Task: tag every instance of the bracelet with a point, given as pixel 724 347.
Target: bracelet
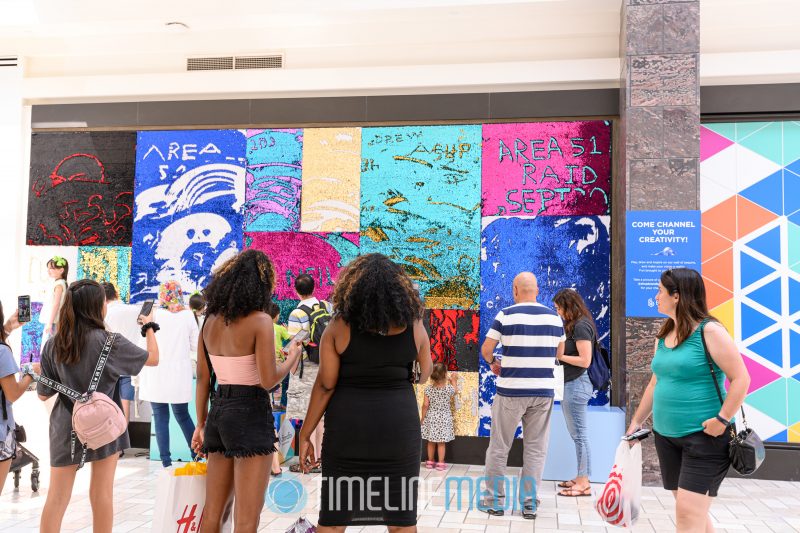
pixel 725 422
pixel 149 325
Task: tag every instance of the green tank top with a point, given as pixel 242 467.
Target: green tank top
pixel 685 395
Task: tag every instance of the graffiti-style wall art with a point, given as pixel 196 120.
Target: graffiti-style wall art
pixel 750 201
pixel 420 201
pixel 320 255
pixel 107 263
pixel 463 208
pixel 81 189
pixel 190 189
pixel 562 252
pixel 32 336
pixel 331 179
pixel 273 180
pixel 546 168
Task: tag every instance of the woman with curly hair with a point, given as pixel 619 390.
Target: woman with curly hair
pixel 371 447
pixel 236 350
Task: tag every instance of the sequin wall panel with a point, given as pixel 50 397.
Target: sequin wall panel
pixel 188 209
pixel 454 338
pixel 562 252
pixel 32 336
pixel 107 263
pixel 420 201
pixel 320 255
pixel 81 188
pixel 546 168
pixel 331 179
pixel 273 180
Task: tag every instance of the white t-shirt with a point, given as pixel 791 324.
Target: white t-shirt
pixel 121 318
pixel 47 305
pixel 171 380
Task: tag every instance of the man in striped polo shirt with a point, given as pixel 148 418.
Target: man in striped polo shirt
pixel 530 334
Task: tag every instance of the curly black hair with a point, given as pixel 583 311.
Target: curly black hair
pixel 242 284
pixel 373 294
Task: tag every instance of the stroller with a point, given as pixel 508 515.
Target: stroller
pixel 23 458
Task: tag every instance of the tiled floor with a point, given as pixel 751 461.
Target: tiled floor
pixel 743 505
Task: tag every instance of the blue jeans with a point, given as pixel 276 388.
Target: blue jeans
pixel 161 418
pixel 284 390
pixel 577 394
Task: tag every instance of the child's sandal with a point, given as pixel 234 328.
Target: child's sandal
pixel 429 464
pixel 441 466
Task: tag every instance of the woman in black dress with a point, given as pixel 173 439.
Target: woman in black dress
pixel 371 448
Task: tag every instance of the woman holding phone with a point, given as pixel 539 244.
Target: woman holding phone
pixel 237 344
pixel 169 385
pixel 70 357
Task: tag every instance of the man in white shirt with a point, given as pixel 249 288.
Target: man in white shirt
pixel 530 334
pixel 121 318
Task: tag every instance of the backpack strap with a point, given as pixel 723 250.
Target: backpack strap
pixel 74 395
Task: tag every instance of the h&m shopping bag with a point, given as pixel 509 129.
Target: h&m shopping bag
pixel 620 501
pixel 180 500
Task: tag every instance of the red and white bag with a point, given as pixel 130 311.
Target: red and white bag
pixel 620 501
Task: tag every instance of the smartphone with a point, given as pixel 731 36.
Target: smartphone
pixel 147 307
pixel 24 307
pixel 638 435
pixel 301 336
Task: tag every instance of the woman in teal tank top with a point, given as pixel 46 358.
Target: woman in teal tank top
pixel 691 426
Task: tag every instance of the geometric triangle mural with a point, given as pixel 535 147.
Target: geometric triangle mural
pixel 762 161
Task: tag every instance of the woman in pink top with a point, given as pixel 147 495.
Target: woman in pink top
pixel 238 434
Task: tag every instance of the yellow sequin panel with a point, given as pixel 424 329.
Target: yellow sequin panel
pixel 331 192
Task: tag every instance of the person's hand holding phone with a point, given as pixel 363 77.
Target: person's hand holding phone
pixel 146 313
pixel 295 347
pixel 13 322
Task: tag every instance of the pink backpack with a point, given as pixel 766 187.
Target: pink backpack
pixel 96 419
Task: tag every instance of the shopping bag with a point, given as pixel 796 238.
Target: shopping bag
pixel 558 388
pixel 302 526
pixel 180 500
pixel 620 501
pixel 285 439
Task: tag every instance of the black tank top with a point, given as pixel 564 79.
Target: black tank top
pixel 378 361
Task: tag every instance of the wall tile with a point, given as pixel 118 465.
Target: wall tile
pixel 664 80
pixel 645 26
pixel 681 28
pixel 681 131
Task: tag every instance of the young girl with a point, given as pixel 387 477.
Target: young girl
pixel 57 270
pixel 437 418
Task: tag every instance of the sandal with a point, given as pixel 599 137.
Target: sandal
pixel 573 492
pixel 567 484
pixel 295 468
pixel 441 467
pixel 276 474
pixel 429 464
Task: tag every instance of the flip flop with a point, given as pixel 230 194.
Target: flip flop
pixel 567 484
pixel 575 493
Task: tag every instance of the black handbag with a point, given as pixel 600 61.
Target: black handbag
pixel 19 434
pixel 746 448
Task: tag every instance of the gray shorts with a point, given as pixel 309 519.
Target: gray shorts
pixel 8 446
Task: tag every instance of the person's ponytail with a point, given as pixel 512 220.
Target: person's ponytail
pixel 82 312
pixel 64 339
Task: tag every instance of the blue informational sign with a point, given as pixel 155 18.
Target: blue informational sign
pixel 657 241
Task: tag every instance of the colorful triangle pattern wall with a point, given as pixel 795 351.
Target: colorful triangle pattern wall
pixel 750 201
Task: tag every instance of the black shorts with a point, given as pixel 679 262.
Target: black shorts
pixel 697 462
pixel 240 423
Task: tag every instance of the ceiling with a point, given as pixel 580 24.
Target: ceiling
pixel 56 38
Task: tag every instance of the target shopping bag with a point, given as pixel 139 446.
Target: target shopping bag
pixel 620 500
pixel 181 499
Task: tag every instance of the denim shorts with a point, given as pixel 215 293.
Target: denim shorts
pixel 126 390
pixel 240 423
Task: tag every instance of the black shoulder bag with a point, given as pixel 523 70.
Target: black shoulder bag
pixel 746 449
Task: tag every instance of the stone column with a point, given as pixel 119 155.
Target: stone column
pixel 658 151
